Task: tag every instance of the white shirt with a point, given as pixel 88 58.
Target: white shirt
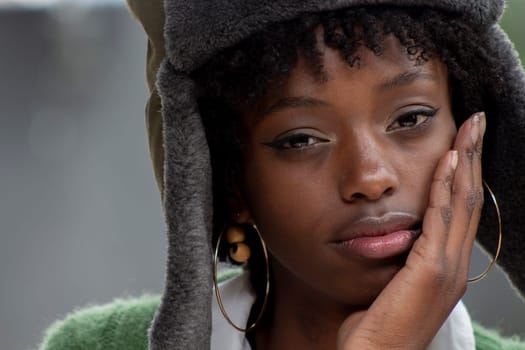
pixel 237 296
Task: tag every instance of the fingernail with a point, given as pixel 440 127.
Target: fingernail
pixel 483 122
pixel 475 127
pixel 454 159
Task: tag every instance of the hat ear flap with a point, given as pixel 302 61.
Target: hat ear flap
pixel 504 163
pixel 183 320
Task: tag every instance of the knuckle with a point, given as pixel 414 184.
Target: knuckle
pixel 469 152
pixel 447 182
pixel 441 277
pixel 437 275
pixel 480 199
pixel 471 200
pixel 446 216
pixel 474 199
pixel 479 149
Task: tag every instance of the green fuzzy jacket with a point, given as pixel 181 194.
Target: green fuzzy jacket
pixel 123 325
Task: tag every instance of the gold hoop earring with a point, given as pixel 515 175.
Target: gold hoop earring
pixel 216 284
pixel 500 237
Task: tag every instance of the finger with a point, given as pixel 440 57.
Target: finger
pixel 466 198
pixel 478 188
pixel 477 181
pixel 438 216
pixel 464 190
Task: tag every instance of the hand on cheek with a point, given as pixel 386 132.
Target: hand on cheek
pixel 413 306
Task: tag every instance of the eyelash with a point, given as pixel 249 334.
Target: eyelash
pixel 299 138
pixel 426 113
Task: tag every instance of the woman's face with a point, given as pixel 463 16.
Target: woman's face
pixel 337 172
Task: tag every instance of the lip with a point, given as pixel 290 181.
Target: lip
pixel 379 237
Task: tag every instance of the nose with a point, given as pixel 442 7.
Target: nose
pixel 367 172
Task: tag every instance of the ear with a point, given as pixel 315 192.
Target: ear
pixel 239 211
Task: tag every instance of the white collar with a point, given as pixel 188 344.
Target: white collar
pixel 237 296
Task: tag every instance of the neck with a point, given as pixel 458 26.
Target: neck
pixel 302 317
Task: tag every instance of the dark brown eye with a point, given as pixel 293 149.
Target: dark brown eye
pixel 412 119
pixel 295 141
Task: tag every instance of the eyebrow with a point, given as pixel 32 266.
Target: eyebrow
pixel 405 78
pixel 293 102
pixel 402 79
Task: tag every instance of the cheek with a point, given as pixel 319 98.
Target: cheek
pixel 293 207
pixel 283 198
pixel 423 161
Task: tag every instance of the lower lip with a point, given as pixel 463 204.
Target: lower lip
pixel 379 247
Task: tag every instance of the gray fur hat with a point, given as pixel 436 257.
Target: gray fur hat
pixel 194 32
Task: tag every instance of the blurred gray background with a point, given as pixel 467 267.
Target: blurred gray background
pixel 80 215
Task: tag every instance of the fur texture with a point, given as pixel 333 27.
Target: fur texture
pixel 196 29
pixel 183 320
pixel 504 165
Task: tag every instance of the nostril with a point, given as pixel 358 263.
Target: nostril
pixel 371 195
pixel 357 196
pixel 389 191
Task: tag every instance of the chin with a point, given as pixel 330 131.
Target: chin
pixel 363 290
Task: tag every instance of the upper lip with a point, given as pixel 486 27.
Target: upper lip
pixel 373 226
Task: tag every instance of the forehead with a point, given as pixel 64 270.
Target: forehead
pixel 378 73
